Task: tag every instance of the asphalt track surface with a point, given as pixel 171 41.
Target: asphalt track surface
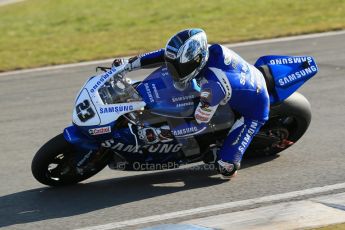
pixel 36 106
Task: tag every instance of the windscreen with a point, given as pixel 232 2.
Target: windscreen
pixel 118 90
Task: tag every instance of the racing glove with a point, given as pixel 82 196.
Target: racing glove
pixel 118 61
pixel 121 61
pixel 132 63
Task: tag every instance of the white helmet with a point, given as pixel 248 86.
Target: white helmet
pixel 186 53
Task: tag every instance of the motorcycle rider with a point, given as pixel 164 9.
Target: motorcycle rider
pixel 224 78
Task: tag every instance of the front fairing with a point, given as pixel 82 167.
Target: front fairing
pixel 102 101
pixel 161 97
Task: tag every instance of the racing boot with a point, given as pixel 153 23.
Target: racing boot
pixel 228 170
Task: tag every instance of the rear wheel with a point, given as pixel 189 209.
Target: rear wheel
pixel 287 124
pixel 55 163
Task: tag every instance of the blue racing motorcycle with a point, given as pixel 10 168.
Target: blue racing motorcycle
pixel 149 125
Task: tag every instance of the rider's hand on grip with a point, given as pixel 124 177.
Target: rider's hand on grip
pixel 118 61
pixel 122 62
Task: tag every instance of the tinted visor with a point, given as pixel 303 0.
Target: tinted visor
pixel 180 70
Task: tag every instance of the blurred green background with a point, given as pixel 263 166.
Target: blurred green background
pixel 45 32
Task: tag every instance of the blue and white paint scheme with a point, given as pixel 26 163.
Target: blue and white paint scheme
pixel 289 73
pixel 157 95
pixel 104 113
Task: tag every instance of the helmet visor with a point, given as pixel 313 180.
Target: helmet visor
pixel 179 71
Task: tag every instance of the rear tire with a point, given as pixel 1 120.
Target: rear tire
pixel 289 120
pixel 59 153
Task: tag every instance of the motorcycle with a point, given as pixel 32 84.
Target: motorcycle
pixel 149 125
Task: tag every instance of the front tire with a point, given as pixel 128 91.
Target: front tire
pixel 54 164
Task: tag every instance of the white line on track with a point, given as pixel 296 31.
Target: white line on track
pixel 249 43
pixel 286 39
pixel 7 2
pixel 218 207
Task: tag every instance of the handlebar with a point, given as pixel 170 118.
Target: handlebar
pixel 103 68
pixel 118 69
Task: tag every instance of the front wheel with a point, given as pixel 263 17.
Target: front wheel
pixel 55 164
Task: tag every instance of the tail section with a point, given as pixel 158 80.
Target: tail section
pixel 288 73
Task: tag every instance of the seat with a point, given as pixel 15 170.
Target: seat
pixel 266 72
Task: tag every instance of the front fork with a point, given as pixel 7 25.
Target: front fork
pixel 89 151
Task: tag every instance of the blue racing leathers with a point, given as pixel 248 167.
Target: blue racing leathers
pixel 226 79
pixel 230 79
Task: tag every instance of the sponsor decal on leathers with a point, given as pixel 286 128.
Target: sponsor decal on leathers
pixel 247 136
pixel 204 114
